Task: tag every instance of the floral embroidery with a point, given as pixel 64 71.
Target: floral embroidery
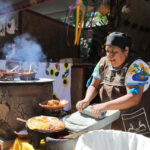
pixel 66 73
pixel 146 69
pixel 52 72
pixel 65 82
pixel 139 72
pixel 131 70
pixel 141 65
pixel 66 66
pixel 96 69
pixel 57 66
pixel 55 96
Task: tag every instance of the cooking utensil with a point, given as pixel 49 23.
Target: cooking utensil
pixel 74 135
pixel 21 133
pixel 16 67
pixel 35 126
pixel 22 120
pixel 45 124
pixel 62 103
pixel 37 135
pixel 7 76
pixel 30 68
pixel 27 75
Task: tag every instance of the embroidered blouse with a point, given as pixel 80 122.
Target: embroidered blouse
pixel 132 72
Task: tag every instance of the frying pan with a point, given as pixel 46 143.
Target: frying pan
pixel 36 134
pixel 42 131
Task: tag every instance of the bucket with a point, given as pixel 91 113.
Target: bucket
pixel 60 144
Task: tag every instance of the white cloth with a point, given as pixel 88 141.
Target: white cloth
pixel 59 73
pixel 11 26
pixel 2 64
pixel 112 140
pixel 2 26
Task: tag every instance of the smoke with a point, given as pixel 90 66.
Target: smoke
pixel 24 48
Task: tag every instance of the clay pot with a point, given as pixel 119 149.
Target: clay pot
pixel 27 75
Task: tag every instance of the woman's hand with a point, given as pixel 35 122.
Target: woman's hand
pixel 91 92
pixel 97 108
pixel 82 104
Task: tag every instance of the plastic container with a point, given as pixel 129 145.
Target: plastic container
pixel 112 140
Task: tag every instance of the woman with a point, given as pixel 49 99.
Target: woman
pixel 122 82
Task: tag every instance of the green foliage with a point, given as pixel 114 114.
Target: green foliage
pixel 92 48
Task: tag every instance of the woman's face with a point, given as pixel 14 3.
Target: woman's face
pixel 116 56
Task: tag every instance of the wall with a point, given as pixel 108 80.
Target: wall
pixel 48 33
pixel 137 24
pixel 8 38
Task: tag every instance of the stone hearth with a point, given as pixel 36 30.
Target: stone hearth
pixel 21 99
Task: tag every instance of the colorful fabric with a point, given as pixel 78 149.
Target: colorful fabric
pixel 96 73
pixel 24 144
pixel 135 90
pixel 109 75
pixel 114 81
pixel 138 74
pixel 89 81
pixel 80 29
pixel 77 21
pixel 61 73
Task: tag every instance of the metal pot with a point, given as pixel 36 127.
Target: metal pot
pixel 66 143
pixel 60 144
pixel 37 135
pixel 27 75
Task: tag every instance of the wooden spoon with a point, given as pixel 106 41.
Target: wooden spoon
pixel 22 120
pixel 73 135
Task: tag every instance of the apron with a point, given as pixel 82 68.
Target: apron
pixel 135 119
